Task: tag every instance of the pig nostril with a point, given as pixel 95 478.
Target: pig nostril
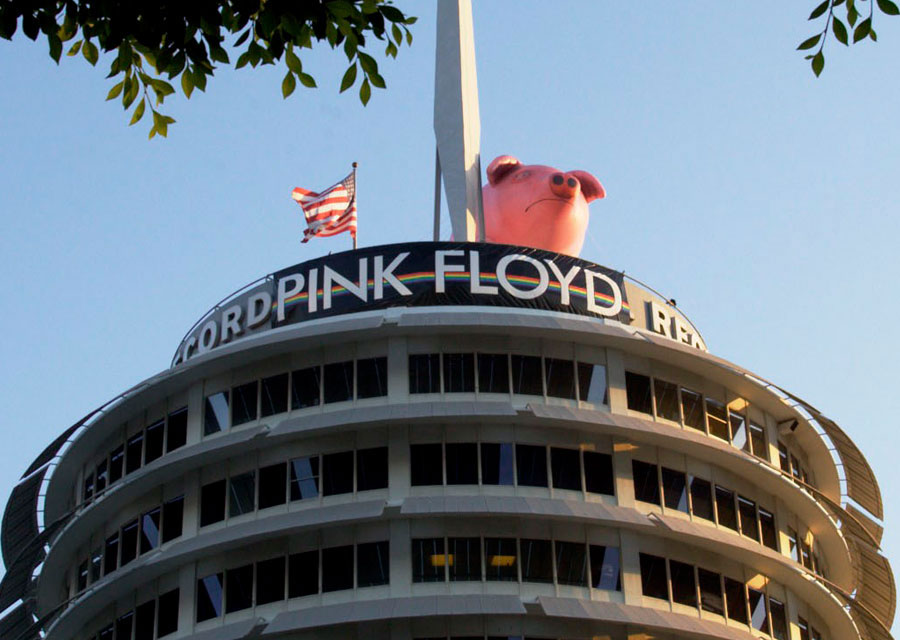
pixel 571 182
pixel 557 179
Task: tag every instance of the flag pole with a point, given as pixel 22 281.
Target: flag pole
pixel 355 191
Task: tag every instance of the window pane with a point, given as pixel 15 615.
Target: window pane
pixel 303 574
pixel 372 469
pixel 531 465
pixel 725 508
pixel 215 414
pixel 274 395
pixel 794 545
pixel 82 576
pixel 566 468
pixel 96 564
pixel 305 386
pixel 711 592
pixel 783 458
pixel 795 467
pixel 173 518
pixel 167 613
pixel 371 377
pixel 176 429
pixel 606 571
pixel 667 400
pixel 526 375
pixel 272 485
pixel 242 494
pixel 675 490
pixel 337 473
pixel 239 588
pixel 537 561
pixel 759 617
pixel 150 530
pixel 738 430
pixel 338 381
pixel 805 554
pixel 654 582
pixel 637 389
pixel 779 619
pixel 426 464
pixel 209 597
pixel 646 482
pixel 270 580
pixel 337 568
pixel 373 564
pixel 304 478
pixel 124 625
pixel 87 491
pixel 464 559
pixel 560 378
pixel 129 538
pixel 106 633
pixel 701 499
pixel 243 399
pixel 749 524
pixel 493 373
pixel 598 473
pixel 716 417
pixel 736 600
pixel 111 554
pixel 758 441
pixel 692 409
pixel 144 616
pixel 769 531
pixel 153 447
pixel 592 383
pixel 134 452
pixel 428 560
pixel 462 463
pixel 500 559
pixel 571 563
pixel 684 587
pixel 425 373
pixel 116 458
pixel 804 629
pixel 459 372
pixel 496 463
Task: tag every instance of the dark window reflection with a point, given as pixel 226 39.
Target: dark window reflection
pixel 134 451
pixel 272 485
pixel 242 494
pixel 606 570
pixel 153 447
pixel 102 475
pixel 654 582
pixel 337 568
pixel 426 464
pixel 111 554
pixel 150 530
pixel 759 615
pixel 466 559
pixel 274 395
pixel 87 491
pixel 592 383
pixel 243 403
pixel 565 465
pixel 496 463
pixel 758 441
pixel 428 560
pixel 305 386
pixel 779 619
pixel 373 564
pixel 674 490
pixel 337 473
pixel 129 538
pixel 526 375
pixel 667 400
pixel 371 377
pixel 106 633
pixel 684 587
pixel 701 499
pixel 735 600
pixel 143 621
pixel 459 372
pixel 749 524
pixel 531 465
pixel 173 518
pixel 304 478
pixel 270 580
pixel 493 373
pixel 692 408
pixel 239 588
pixel 425 373
pixel 598 473
pixel 537 561
pixel 96 564
pixel 646 482
pixel 462 463
pixel 209 597
pixel 372 469
pixel 124 625
pixel 176 429
pixel 500 559
pixel 711 592
pixel 212 502
pixel 725 510
pixel 215 414
pixel 560 378
pixel 638 392
pixel 116 460
pixel 716 417
pixel 783 458
pixel 769 531
pixel 303 574
pixel 338 381
pixel 571 563
pixel 167 613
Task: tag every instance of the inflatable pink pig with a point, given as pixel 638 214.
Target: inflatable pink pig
pixel 536 206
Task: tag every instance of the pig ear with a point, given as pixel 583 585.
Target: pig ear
pixel 590 186
pixel 500 166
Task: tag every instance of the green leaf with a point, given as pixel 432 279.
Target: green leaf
pixel 187 85
pixel 55 47
pixel 888 7
pixel 818 63
pixel 349 78
pixel 340 8
pixel 350 48
pixel 293 62
pixel 288 84
pixel 242 39
pixel 391 49
pixel 408 37
pixel 138 112
pixel 411 20
pixel 162 87
pixel 863 30
pixel 809 43
pixel 852 14
pixel 873 35
pixel 392 13
pixel 90 52
pixel 124 55
pixel 398 35
pixel 819 10
pixel 115 91
pixel 377 80
pixel 242 60
pixel 365 92
pixel 218 54
pixel 307 80
pixel 131 92
pixel 840 31
pixel 73 51
pixel 199 78
pixel 368 63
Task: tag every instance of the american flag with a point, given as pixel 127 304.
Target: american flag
pixel 330 212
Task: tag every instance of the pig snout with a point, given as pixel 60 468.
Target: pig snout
pixel 564 186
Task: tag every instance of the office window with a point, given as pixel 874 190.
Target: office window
pixel 82 577
pixel 725 510
pixel 212 502
pixel 209 597
pixel 462 462
pixel 717 419
pixel 242 493
pixel 272 485
pixel 426 464
pixel 176 429
pixel 96 560
pixel 779 619
pixel 735 601
pixel 87 491
pixel 684 586
pixel 526 375
pixel 531 465
pixel 795 467
pixel 804 629
pixel 701 499
pixel 783 459
pixel 560 378
pixel 646 482
pixel 215 413
pixel 805 554
pixel 793 545
pixel 303 574
pixel 102 475
pixel 243 403
pixel 537 561
pixel 428 560
pixel 459 372
pixel 116 460
pixel 815 635
pixel 134 452
pixel 305 388
pixel 738 425
pixel 371 377
pixel 129 540
pixel 692 409
pixel 373 566
pixel 337 568
pixel 758 441
pixel 500 559
pixel 153 446
pixel 270 580
pixel 711 598
pixel 124 625
pixel 338 381
pixel 654 583
pixel 337 473
pixel 372 469
pixel 592 383
pixel 571 563
pixel 239 588
pixel 667 400
pixel 144 615
pixel 606 572
pixel 425 373
pixel 274 395
pixel 172 518
pixel 466 559
pixel 150 530
pixel 769 531
pixel 565 465
pixel 759 615
pixel 111 554
pixel 598 473
pixel 304 478
pixel 638 392
pixel 106 633
pixel 749 523
pixel 674 485
pixel 496 463
pixel 493 373
pixel 167 613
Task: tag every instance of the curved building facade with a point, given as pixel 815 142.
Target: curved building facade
pixel 447 441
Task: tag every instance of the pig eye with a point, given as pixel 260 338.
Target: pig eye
pixel 571 182
pixel 557 179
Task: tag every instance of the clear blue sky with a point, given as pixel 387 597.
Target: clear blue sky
pixel 759 197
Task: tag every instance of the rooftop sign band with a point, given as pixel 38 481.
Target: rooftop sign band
pixel 417 274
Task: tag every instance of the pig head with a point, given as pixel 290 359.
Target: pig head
pixel 536 206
